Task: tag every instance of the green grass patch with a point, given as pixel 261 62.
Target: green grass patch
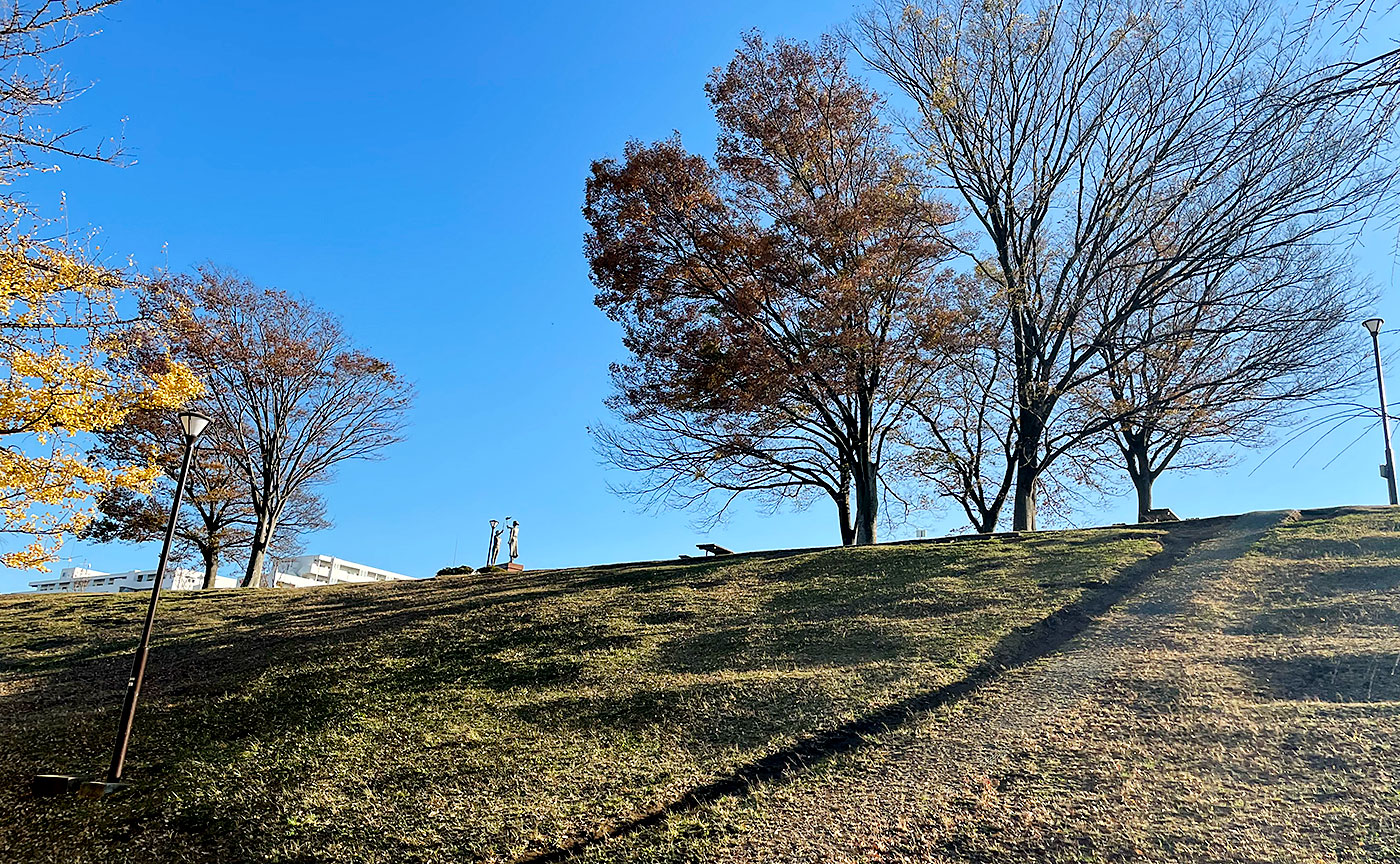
pixel 482 718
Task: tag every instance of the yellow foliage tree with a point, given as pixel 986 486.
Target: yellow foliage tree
pixel 60 333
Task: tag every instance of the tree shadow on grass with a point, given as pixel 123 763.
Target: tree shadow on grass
pixel 1352 578
pixel 220 675
pixel 1339 678
pixel 773 645
pixel 1018 648
pixel 1299 618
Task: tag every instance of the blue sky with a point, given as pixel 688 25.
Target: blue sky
pixel 419 171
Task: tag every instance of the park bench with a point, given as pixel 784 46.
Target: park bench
pixel 713 549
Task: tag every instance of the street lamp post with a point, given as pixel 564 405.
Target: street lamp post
pixel 1373 325
pixel 193 423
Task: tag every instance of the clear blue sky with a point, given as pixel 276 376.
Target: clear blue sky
pixel 419 171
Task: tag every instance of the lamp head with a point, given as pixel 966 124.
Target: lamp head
pixel 1373 325
pixel 193 422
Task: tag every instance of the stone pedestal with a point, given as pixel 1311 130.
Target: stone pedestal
pixel 511 566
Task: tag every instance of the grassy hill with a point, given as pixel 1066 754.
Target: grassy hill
pixel 1242 706
pixel 487 718
pixel 509 718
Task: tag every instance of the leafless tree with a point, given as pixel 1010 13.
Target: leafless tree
pixel 965 443
pixel 290 395
pixel 217 517
pixel 1111 152
pixel 964 446
pixel 1229 360
pixel 33 86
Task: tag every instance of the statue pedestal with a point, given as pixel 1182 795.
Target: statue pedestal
pixel 511 567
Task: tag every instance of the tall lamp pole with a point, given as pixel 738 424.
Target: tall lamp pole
pixel 1373 325
pixel 193 423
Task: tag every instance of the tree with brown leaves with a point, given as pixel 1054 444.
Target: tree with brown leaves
pixel 783 306
pixel 289 394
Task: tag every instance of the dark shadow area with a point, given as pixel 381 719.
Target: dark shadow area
pixel 1343 678
pixel 1299 618
pixel 1322 548
pixel 1352 578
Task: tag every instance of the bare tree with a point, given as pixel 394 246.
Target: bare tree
pixel 964 446
pixel 783 307
pixel 33 86
pixel 290 395
pixel 217 517
pixel 1229 359
pixel 1110 153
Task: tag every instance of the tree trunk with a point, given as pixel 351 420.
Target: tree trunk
pixel 1140 470
pixel 1028 467
pixel 867 503
pixel 252 575
pixel 1143 483
pixel 1023 515
pixel 211 566
pixel 262 537
pixel 985 523
pixel 843 512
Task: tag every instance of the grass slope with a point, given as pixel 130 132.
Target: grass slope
pixel 1254 719
pixel 472 719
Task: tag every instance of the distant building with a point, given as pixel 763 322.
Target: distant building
pixel 301 572
pixel 306 571
pixel 81 580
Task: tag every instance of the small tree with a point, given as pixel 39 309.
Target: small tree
pixel 290 395
pixel 783 307
pixel 217 518
pixel 1228 358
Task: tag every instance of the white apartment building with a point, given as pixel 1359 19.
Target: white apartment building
pixel 84 580
pixel 306 571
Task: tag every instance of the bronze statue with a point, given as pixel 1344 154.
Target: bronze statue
pixel 495 548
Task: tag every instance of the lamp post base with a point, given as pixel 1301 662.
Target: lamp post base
pixel 101 789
